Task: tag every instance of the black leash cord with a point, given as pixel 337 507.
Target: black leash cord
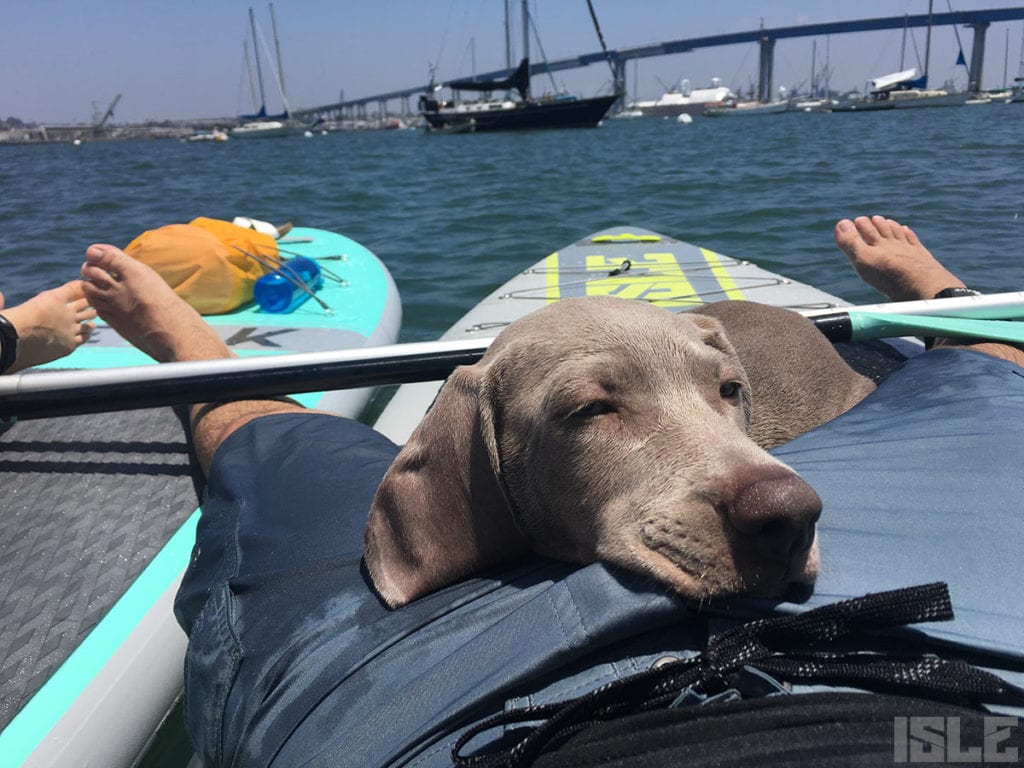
pixel 787 647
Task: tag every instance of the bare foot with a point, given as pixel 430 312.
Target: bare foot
pixel 888 256
pixel 140 306
pixel 50 325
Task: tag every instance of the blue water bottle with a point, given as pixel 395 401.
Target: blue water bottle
pixel 284 289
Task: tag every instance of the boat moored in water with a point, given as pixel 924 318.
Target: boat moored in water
pixel 902 90
pixel 266 129
pixel 553 110
pixel 215 135
pixel 510 114
pixel 684 100
pixel 748 109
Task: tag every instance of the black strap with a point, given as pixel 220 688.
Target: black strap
pixel 788 647
pixel 8 344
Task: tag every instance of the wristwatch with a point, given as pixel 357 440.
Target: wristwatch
pixel 949 293
pixel 953 293
pixel 8 344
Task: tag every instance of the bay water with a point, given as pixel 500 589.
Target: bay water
pixel 454 216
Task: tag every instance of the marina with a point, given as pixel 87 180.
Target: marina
pixel 909 89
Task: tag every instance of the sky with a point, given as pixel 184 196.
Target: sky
pixel 63 60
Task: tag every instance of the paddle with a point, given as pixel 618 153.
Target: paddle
pixel 39 394
pixel 965 316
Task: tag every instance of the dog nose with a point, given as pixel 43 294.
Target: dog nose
pixel 780 511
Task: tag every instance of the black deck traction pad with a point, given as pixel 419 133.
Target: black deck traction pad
pixel 86 502
pixel 874 359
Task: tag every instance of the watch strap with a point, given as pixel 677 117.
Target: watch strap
pixel 952 293
pixel 949 293
pixel 8 344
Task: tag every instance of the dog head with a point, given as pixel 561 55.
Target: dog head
pixel 595 429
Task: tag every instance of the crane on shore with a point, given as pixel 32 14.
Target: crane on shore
pixel 99 122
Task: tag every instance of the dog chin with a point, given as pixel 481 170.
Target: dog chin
pixel 694 578
pixel 686 573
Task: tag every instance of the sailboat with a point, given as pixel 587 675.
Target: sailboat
pixel 510 114
pixel 906 89
pixel 260 124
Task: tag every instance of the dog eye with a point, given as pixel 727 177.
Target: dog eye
pixel 592 409
pixel 729 389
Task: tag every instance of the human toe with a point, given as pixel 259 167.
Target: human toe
pixel 848 237
pixel 103 267
pixel 889 228
pixel 869 229
pixel 106 257
pixel 71 292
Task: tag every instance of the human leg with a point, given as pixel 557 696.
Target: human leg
pixel 140 306
pixel 890 258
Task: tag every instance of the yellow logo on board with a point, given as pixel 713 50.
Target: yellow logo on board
pixel 658 278
pixel 655 277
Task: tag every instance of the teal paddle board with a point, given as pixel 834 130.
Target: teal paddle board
pixel 99 514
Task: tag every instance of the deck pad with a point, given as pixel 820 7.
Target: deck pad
pixel 88 501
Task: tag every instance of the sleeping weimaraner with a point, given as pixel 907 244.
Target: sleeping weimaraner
pixel 605 429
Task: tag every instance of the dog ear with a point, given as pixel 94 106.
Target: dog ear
pixel 797 377
pixel 440 513
pixel 714 335
pixel 712 332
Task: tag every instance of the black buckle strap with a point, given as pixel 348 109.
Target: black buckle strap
pixel 787 647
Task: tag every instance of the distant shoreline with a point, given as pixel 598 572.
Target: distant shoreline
pixel 170 129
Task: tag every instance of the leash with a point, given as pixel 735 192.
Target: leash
pixel 792 648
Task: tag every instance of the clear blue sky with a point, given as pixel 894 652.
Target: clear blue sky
pixel 184 58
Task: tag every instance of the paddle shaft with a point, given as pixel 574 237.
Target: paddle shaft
pixel 841 325
pixel 39 394
pixel 67 393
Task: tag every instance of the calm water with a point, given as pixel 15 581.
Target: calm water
pixel 454 216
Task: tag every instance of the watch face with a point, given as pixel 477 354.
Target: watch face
pixel 8 344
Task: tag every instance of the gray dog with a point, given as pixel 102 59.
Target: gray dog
pixel 605 429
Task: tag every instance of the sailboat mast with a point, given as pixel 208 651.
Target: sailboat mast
pixel 526 42
pixel 508 38
pixel 1020 64
pixel 1006 58
pixel 252 82
pixel 814 50
pixel 828 67
pixel 280 69
pixel 903 47
pixel 259 69
pixel 928 44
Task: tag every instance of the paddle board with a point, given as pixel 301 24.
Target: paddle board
pixel 99 514
pixel 629 262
